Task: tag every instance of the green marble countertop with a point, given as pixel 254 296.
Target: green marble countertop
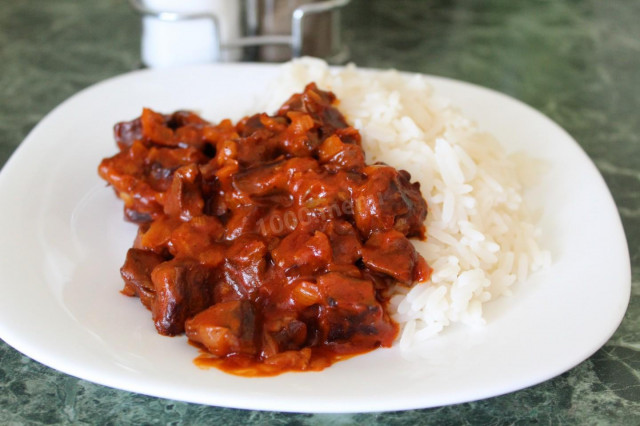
pixel 576 61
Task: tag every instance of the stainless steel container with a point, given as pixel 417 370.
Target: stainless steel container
pixel 200 31
pixel 318 33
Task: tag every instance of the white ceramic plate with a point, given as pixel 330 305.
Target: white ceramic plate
pixel 64 239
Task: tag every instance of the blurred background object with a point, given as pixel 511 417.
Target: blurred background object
pixel 187 32
pixel 205 31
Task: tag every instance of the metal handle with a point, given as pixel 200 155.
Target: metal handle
pixel 297 21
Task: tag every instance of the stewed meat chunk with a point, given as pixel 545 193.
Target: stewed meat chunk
pixel 225 328
pixel 136 273
pixel 388 199
pixel 183 288
pixel 391 253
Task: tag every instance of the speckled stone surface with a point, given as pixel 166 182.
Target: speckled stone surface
pixel 576 61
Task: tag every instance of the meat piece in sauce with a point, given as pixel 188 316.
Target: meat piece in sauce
pixel 245 265
pixel 270 242
pixel 336 154
pixel 388 199
pixel 183 288
pixel 184 197
pixel 351 312
pixel 180 129
pixel 281 334
pixel 302 253
pixel 136 273
pixel 126 132
pixel 391 253
pixel 225 328
pixel 345 242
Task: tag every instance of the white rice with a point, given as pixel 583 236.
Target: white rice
pixel 480 237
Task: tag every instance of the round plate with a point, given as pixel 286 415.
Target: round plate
pixel 64 240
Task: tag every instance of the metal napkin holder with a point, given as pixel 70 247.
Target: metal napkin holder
pixel 294 40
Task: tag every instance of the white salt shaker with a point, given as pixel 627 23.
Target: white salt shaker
pixel 182 32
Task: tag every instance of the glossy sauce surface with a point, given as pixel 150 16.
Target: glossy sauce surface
pixel 270 242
